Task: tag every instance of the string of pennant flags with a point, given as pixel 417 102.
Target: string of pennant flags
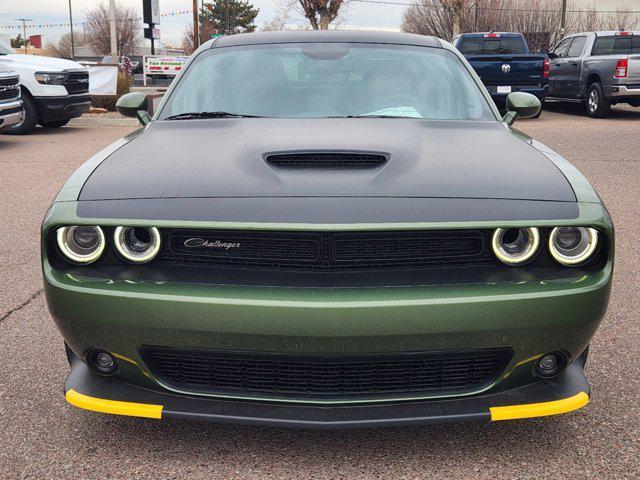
pixel 81 24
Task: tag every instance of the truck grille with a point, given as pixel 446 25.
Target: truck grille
pixel 77 82
pixel 306 377
pixel 9 88
pixel 324 251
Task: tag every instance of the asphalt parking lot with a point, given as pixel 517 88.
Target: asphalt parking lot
pixel 42 437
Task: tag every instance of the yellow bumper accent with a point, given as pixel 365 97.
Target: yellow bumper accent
pixel 543 409
pixel 113 406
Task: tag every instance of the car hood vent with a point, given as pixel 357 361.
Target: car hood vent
pixel 326 160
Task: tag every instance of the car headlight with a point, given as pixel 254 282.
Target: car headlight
pixel 515 246
pixel 137 244
pixel 50 78
pixel 81 243
pixel 572 245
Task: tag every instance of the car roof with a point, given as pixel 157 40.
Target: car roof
pixel 328 36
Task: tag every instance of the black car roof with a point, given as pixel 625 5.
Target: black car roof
pixel 346 36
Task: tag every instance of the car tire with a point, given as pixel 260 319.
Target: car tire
pixel 56 124
pixel 30 117
pixel 597 105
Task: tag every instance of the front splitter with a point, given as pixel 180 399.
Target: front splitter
pixel 564 393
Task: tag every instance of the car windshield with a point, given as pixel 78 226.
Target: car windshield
pixel 320 80
pixel 491 46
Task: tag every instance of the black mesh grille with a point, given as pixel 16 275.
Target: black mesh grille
pixel 327 251
pixel 9 81
pixel 339 160
pixel 77 82
pixel 9 93
pixel 332 376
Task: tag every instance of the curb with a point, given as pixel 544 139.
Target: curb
pixel 103 122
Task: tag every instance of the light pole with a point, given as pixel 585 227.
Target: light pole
pixel 73 50
pixel 24 30
pixel 563 19
pixel 112 32
pixel 196 34
pixel 227 23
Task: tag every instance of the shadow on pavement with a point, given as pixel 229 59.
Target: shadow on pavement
pixel 618 112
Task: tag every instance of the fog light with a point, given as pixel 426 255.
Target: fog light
pixel 102 362
pixel 550 364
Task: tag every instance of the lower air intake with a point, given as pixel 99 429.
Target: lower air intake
pixel 337 377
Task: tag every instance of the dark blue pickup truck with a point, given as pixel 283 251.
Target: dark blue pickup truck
pixel 505 65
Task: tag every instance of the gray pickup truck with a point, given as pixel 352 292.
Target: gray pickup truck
pixel 598 68
pixel 10 104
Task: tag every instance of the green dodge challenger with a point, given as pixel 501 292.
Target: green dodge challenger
pixel 327 229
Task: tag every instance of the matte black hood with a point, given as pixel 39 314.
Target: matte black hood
pixel 429 159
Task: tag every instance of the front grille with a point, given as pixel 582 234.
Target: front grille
pixel 77 82
pixel 327 251
pixel 9 88
pixel 325 376
pixel 324 160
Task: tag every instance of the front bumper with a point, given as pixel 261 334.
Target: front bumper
pixel 52 109
pixel 564 393
pixel 11 113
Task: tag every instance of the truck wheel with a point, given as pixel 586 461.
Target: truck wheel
pixel 597 105
pixel 30 118
pixel 56 124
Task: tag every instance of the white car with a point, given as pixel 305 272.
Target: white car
pixel 54 90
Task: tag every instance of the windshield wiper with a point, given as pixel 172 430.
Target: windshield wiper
pixel 189 115
pixel 372 116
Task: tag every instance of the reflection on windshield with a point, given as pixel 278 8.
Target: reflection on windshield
pixel 329 80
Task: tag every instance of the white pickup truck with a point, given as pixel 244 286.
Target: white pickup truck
pixel 53 90
pixel 10 104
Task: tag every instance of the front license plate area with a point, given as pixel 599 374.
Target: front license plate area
pixel 506 89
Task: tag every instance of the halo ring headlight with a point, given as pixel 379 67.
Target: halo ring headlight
pixel 137 244
pixel 571 246
pixel 515 246
pixel 81 244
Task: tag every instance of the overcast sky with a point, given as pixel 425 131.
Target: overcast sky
pixel 359 15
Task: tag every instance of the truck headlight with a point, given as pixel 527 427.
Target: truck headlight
pixel 137 244
pixel 81 243
pixel 515 246
pixel 572 245
pixel 50 78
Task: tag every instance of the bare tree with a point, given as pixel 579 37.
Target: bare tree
pixel 277 23
pixel 320 13
pixel 127 29
pixel 538 20
pixel 62 48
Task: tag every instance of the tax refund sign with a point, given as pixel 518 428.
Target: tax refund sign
pixel 162 65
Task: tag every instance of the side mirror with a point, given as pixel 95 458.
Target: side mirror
pixel 134 105
pixel 552 55
pixel 521 105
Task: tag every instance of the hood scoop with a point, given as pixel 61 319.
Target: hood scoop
pixel 334 160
